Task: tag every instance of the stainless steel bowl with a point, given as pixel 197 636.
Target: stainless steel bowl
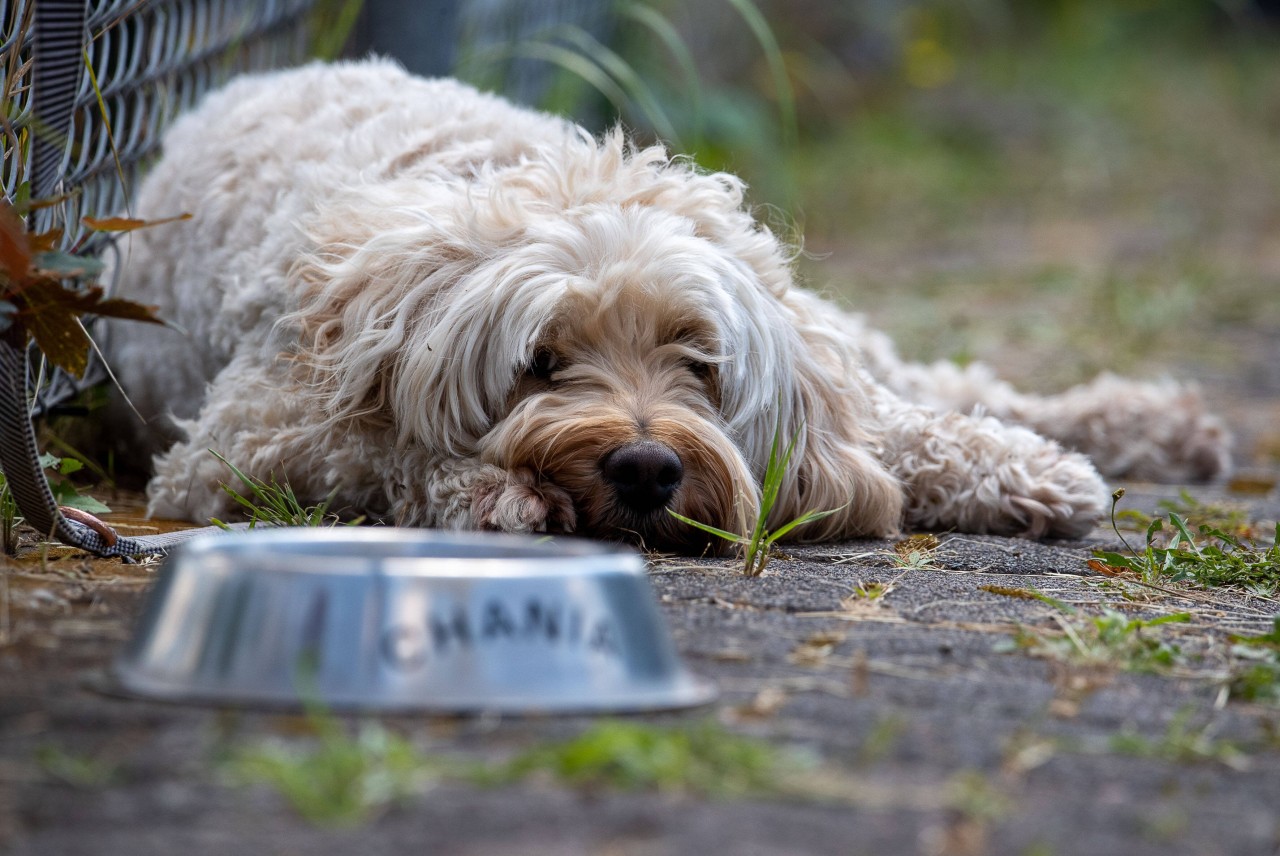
pixel 401 619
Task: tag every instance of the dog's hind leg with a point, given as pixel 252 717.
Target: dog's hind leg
pixel 1153 431
pixel 977 474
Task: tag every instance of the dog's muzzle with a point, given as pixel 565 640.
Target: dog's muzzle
pixel 644 475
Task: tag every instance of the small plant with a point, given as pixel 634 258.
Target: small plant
pixel 1215 558
pixel 275 503
pixel 1255 672
pixel 757 548
pixel 1231 519
pixel 1182 743
pixel 871 591
pixel 341 781
pixel 703 759
pixel 10 518
pixel 916 553
pixel 1109 639
pixel 65 494
pixel 78 771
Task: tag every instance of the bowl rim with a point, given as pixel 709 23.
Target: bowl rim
pixel 315 550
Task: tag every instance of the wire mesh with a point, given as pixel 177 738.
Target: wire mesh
pixel 137 65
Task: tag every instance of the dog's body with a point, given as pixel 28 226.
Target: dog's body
pixel 456 312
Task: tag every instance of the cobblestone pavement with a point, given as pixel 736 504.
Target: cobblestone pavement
pixel 931 735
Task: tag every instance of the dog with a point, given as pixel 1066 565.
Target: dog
pixel 444 310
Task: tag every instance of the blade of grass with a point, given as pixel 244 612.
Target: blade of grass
pixel 638 92
pixel 719 533
pixel 777 67
pixel 106 124
pixel 665 31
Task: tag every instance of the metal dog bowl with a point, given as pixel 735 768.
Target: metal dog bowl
pixel 400 619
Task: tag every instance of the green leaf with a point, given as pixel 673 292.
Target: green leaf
pixel 66 266
pixel 66 494
pixel 807 517
pixel 127 224
pixel 719 533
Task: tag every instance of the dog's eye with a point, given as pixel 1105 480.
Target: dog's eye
pixel 544 363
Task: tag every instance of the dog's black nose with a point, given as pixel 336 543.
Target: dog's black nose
pixel 644 475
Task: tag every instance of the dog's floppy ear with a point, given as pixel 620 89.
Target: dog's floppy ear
pixel 819 399
pixel 411 316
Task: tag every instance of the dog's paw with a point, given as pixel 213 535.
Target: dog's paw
pixel 1138 430
pixel 979 475
pixel 1055 494
pixel 518 502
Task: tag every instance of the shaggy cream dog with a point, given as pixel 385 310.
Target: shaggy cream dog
pixel 455 312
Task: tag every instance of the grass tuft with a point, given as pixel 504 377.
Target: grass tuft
pixel 702 759
pixel 275 504
pixel 340 780
pixel 757 547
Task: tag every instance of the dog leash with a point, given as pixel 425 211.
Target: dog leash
pixel 60 31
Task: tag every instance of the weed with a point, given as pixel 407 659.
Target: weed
pixel 917 553
pixel 881 740
pixel 275 504
pixel 870 591
pixel 65 493
pixel 1216 558
pixel 10 518
pixel 78 771
pixel 1255 671
pixel 757 548
pixel 649 79
pixel 1232 519
pixel 341 780
pixel 702 759
pixel 1182 743
pixel 1109 639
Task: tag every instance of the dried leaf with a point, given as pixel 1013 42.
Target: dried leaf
pixel 922 543
pixel 116 307
pixel 1104 568
pixel 53 322
pixel 15 253
pixel 50 313
pixel 127 224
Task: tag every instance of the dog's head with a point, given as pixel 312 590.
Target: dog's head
pixel 615 323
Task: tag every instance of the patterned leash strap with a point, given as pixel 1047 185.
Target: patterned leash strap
pixel 19 458
pixel 60 33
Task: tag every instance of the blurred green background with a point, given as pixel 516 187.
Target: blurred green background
pixel 1057 187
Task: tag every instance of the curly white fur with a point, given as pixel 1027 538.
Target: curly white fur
pixel 451 310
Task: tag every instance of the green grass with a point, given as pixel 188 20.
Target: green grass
pixel 1255 674
pixel 77 770
pixel 757 546
pixel 1057 208
pixel 702 759
pixel 1182 742
pixel 1208 558
pixel 1111 639
pixel 337 779
pixel 274 502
